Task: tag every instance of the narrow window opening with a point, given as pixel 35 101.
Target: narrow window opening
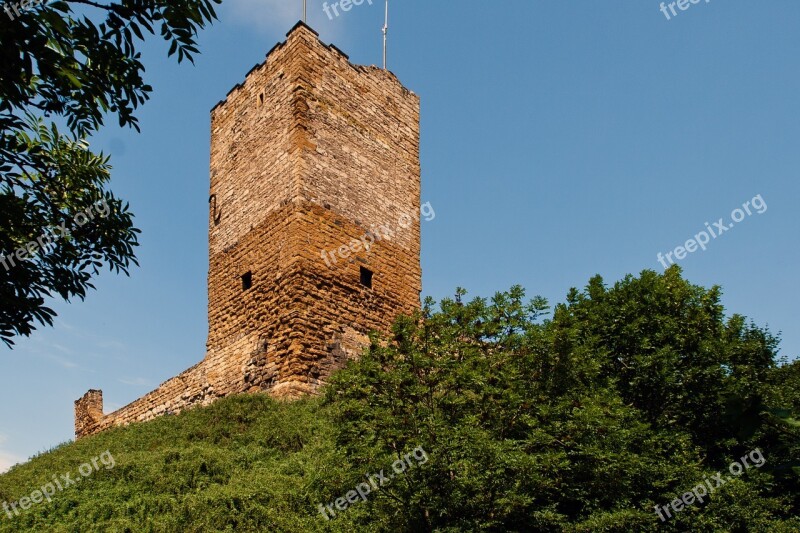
pixel 261 98
pixel 366 277
pixel 247 281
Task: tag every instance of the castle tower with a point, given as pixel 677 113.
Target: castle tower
pixel 313 229
pixel 309 155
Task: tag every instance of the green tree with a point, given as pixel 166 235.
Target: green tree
pixel 540 425
pixel 521 432
pixel 671 352
pixel 65 66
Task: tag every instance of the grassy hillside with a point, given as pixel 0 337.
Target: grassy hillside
pixel 633 407
pixel 243 464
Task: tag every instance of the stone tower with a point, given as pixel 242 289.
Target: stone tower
pixel 313 228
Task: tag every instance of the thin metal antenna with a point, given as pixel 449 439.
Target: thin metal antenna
pixel 305 11
pixel 385 33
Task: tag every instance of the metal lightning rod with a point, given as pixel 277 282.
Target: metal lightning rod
pixel 305 11
pixel 385 33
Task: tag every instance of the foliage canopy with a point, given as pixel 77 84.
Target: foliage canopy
pixel 65 66
pixel 580 418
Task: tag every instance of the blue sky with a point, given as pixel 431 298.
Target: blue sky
pixel 559 140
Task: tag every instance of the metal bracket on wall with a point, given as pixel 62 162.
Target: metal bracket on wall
pixel 217 216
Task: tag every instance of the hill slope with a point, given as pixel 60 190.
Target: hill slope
pixel 245 463
pixel 635 407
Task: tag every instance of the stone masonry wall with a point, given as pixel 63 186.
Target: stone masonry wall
pixel 310 154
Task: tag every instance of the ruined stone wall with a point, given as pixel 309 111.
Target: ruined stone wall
pixel 309 155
